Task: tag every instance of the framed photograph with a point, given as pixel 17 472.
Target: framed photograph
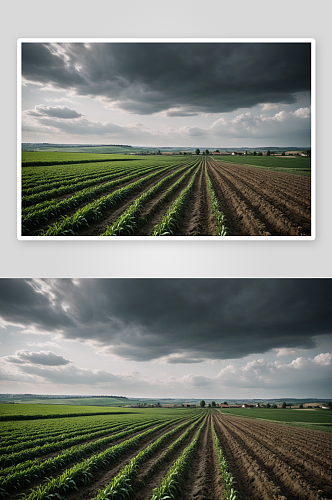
pixel 195 139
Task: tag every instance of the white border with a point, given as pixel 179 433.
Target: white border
pixel 312 41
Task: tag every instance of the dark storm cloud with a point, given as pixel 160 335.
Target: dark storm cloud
pixel 178 320
pixel 56 112
pixel 47 358
pixel 179 78
pixel 20 303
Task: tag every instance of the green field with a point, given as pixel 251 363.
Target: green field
pixel 300 165
pixel 311 419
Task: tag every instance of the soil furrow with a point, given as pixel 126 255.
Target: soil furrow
pixel 270 194
pixel 268 468
pixel 198 218
pixel 203 480
pixel 269 215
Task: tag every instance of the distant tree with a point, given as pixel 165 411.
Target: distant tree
pixel 301 405
pixel 202 403
pixel 283 153
pixel 197 152
pixel 213 403
pixel 259 405
pixel 284 404
pixel 329 404
pixel 268 152
pixel 274 406
pixel 268 405
pixel 260 153
pixel 206 152
pixel 158 404
pixel 308 152
pixel 209 405
pixel 217 151
pixel 254 153
pixel 225 403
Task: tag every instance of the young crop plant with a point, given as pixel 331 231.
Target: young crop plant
pixel 17 478
pixel 83 473
pixel 169 452
pixel 171 484
pixel 229 491
pixel 171 220
pixel 93 211
pixel 127 222
pixel 169 193
pixel 221 229
pixel 121 485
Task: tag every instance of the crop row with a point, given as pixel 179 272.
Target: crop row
pixel 121 485
pixel 73 188
pixel 171 220
pixel 93 211
pixel 99 176
pixel 221 229
pixel 229 491
pixel 42 212
pixel 23 474
pixel 172 482
pixel 27 434
pixel 56 445
pixel 35 416
pixel 34 177
pixel 127 222
pixel 82 473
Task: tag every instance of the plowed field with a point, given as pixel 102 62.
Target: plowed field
pixel 124 199
pixel 268 461
pixel 257 202
pixel 276 462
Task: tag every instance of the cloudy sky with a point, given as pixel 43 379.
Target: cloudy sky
pixel 218 338
pixel 167 94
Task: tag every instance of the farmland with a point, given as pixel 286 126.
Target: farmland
pixel 154 453
pixel 78 194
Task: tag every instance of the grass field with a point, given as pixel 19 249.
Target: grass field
pixel 300 165
pixel 317 419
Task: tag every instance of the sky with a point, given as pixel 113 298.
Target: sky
pixel 167 94
pixel 167 338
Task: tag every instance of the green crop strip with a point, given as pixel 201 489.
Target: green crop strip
pixel 82 473
pixel 120 487
pixel 94 211
pixel 171 220
pixel 38 468
pixel 42 212
pixel 221 229
pixel 229 491
pixel 127 222
pixel 72 188
pixel 172 483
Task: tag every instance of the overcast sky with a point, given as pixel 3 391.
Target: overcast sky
pixel 218 338
pixel 167 94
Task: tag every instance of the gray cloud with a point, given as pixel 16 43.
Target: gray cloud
pixel 176 320
pixel 61 112
pixel 47 358
pixel 179 78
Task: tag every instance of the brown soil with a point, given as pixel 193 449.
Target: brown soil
pixel 254 201
pixel 276 462
pixel 203 481
pixel 198 218
pixel 153 214
pixel 257 202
